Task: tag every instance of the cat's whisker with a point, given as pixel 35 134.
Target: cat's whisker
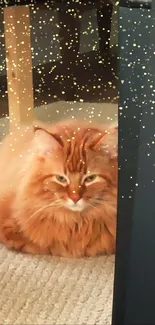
pixel 94 205
pixel 57 203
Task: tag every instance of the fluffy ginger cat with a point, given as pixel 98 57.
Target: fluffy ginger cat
pixel 58 189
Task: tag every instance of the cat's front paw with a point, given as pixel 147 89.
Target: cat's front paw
pixel 11 237
pixel 19 244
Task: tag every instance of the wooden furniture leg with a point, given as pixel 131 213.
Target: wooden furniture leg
pixel 19 64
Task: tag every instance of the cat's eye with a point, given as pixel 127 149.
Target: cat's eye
pixel 61 179
pixel 90 178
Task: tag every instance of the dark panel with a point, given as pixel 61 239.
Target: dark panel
pixel 136 3
pixel 134 287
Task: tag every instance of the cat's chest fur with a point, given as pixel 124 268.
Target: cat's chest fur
pixel 71 238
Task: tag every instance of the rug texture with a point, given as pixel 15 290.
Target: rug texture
pixel 47 290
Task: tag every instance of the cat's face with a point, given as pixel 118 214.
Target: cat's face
pixel 82 188
pixel 76 174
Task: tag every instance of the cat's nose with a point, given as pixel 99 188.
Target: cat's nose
pixel 75 197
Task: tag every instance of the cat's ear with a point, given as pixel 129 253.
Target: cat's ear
pixel 45 143
pixel 109 141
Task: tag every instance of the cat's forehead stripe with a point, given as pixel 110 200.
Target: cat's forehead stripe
pixel 75 158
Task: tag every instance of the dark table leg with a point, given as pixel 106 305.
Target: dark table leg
pixel 69 35
pixel 134 286
pixel 104 19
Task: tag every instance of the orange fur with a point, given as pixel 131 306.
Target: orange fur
pixel 33 213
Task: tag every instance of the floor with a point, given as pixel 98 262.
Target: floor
pixel 93 112
pixel 45 290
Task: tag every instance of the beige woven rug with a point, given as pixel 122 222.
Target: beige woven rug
pixel 47 290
